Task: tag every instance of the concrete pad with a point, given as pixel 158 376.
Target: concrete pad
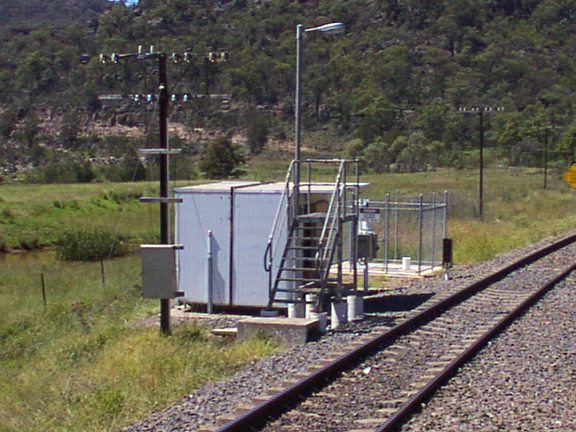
pixel 227 332
pixel 288 331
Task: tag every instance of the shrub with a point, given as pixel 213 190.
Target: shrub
pixel 92 245
pixel 29 243
pixel 221 159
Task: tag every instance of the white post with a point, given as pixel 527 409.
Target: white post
pixel 209 300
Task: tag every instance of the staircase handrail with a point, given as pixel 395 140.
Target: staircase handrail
pixel 327 235
pixel 280 215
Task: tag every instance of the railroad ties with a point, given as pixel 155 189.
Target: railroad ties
pixel 385 376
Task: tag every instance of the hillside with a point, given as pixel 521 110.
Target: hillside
pixel 390 87
pixel 26 15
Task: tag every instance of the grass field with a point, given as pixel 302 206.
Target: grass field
pixel 80 363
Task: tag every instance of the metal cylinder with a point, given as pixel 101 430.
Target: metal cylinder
pixel 338 314
pixel 355 307
pixel 311 300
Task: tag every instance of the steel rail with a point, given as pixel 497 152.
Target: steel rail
pixel 287 397
pixel 413 404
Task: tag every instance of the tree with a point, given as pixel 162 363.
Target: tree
pixel 221 158
pixel 377 156
pixel 256 131
pixel 69 130
pixel 7 122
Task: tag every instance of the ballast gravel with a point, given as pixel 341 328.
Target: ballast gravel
pixel 202 406
pixel 524 381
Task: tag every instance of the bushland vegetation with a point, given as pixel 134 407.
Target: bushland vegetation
pixel 390 88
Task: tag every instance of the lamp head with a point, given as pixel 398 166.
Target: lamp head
pixel 336 27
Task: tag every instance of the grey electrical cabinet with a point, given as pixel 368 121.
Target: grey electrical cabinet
pixel 367 246
pixel 159 279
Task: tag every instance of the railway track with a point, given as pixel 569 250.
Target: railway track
pixel 381 378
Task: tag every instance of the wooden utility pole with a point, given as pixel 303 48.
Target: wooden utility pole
pixel 481 111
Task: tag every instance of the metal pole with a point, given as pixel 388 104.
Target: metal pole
pixel 209 294
pixel 308 187
pixel 546 157
pixel 481 164
pixel 164 179
pixel 339 244
pixel 297 120
pixel 433 229
pixel 420 230
pixel 386 231
pixel 445 226
pixel 397 204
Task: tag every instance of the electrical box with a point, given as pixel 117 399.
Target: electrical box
pixel 159 279
pixel 367 246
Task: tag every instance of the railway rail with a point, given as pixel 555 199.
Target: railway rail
pixel 381 378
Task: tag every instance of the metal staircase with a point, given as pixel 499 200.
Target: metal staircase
pixel 303 245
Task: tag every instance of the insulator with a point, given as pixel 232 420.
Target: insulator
pixel 140 50
pixel 114 58
pixel 224 56
pixel 151 49
pixel 136 98
pixel 212 57
pixel 175 57
pixel 174 98
pixel 103 58
pixel 186 97
pixel 150 98
pixel 187 57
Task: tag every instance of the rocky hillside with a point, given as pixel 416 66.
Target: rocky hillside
pixel 23 16
pixel 392 85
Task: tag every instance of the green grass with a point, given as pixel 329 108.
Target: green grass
pixel 517 210
pixel 81 364
pixel 44 213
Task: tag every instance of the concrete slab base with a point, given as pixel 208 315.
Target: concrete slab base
pixel 287 331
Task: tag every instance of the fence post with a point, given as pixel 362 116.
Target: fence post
pixel 396 225
pixel 420 229
pixel 102 274
pixel 386 231
pixel 433 229
pixel 43 287
pixel 445 227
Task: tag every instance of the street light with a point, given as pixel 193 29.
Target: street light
pixel 336 27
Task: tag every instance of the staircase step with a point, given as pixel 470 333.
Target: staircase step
pixel 310 239
pixel 302 247
pixel 299 280
pixel 284 290
pixel 300 258
pixel 309 227
pixel 296 269
pixel 311 216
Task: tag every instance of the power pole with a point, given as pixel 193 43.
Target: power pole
pixel 481 110
pixel 164 178
pixel 163 150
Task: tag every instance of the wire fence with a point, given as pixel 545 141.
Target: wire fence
pixel 410 231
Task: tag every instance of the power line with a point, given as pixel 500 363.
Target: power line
pixel 481 111
pixel 163 97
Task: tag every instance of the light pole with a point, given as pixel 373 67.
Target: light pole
pixel 336 27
